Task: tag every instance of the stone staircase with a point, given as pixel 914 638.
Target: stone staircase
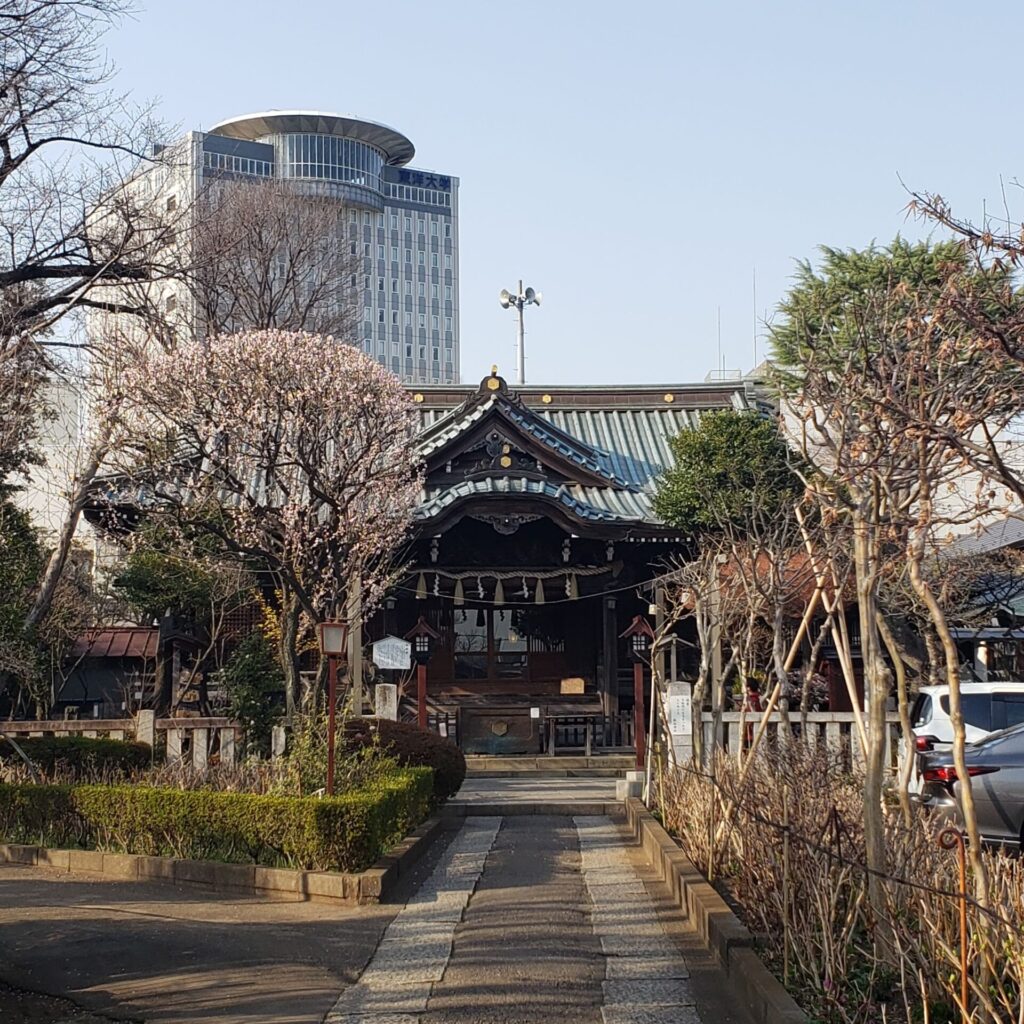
pixel 602 766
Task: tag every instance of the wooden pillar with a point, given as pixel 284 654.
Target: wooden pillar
pixel 610 650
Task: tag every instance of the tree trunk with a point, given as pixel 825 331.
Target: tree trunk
pixel 907 753
pixel 286 650
pixel 876 682
pixel 59 556
pixel 956 715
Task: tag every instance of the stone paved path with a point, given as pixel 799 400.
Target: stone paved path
pixel 528 920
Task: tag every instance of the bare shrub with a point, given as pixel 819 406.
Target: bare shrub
pixel 807 895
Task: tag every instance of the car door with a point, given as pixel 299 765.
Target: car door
pixel 999 794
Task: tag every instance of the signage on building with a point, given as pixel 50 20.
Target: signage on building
pixel 392 653
pixel 425 180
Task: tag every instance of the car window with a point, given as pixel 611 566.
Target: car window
pixel 1014 708
pixel 977 709
pixel 922 711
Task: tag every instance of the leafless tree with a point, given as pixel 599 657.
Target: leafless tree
pixel 267 256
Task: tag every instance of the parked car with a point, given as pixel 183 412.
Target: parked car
pixel 987 707
pixel 996 767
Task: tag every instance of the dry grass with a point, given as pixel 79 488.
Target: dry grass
pixel 820 935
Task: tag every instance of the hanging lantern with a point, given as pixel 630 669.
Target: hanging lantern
pixel 499 594
pixel 574 587
pixel 539 596
pixel 421 588
pixel 460 597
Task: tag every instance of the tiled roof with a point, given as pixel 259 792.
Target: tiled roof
pixel 122 642
pixel 629 447
pixel 598 504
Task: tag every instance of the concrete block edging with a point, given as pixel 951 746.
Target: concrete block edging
pixel 719 928
pixel 369 886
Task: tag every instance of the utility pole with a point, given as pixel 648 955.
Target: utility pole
pixel 520 299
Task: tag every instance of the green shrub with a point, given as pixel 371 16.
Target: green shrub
pixel 343 833
pixel 78 757
pixel 412 746
pixel 255 689
pixel 41 815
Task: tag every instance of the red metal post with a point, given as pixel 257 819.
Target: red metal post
pixel 638 713
pixel 332 699
pixel 421 695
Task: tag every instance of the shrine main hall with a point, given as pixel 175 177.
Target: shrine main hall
pixel 535 544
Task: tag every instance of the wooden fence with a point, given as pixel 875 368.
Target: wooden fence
pixel 197 740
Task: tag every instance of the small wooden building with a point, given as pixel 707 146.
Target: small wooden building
pixel 534 543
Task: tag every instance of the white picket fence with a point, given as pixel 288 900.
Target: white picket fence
pixel 834 731
pixel 191 739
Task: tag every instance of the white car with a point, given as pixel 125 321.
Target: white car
pixel 987 708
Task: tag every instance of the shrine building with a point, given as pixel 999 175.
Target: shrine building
pixel 534 546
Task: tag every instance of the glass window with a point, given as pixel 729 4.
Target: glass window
pixel 977 708
pixel 447 230
pixel 380 316
pixel 423 320
pixel 394 222
pixel 419 225
pixel 422 289
pixel 433 227
pixel 366 216
pixel 394 254
pixel 380 284
pixel 447 293
pixel 408 223
pixel 367 314
pixel 380 252
pixel 447 261
pixel 433 260
pixel 408 319
pixel 448 323
pixel 408 255
pixel 921 714
pixel 433 291
pixel 408 287
pixel 394 285
pixel 394 317
pixel 422 256
pixel 433 323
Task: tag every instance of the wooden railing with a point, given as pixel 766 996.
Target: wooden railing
pixel 587 734
pixel 444 723
pixel 196 740
pixel 834 731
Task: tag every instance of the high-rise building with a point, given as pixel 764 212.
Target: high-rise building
pixel 403 223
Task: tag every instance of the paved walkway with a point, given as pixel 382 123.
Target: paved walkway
pixel 525 919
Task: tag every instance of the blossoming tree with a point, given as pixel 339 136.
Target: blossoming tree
pixel 295 450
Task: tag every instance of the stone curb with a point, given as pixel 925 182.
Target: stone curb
pixel 369 886
pixel 720 929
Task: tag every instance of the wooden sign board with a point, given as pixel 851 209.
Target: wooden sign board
pixel 392 653
pixel 573 686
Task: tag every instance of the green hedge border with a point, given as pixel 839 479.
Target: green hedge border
pixel 343 833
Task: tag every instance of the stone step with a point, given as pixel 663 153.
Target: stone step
pixel 602 767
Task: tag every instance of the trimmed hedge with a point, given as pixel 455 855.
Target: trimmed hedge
pixel 343 833
pixel 412 746
pixel 79 755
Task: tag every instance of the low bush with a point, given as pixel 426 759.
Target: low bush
pixel 342 833
pixel 412 746
pixel 77 757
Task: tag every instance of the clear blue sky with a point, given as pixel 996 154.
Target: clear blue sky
pixel 634 161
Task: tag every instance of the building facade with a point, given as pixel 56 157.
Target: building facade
pixel 401 225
